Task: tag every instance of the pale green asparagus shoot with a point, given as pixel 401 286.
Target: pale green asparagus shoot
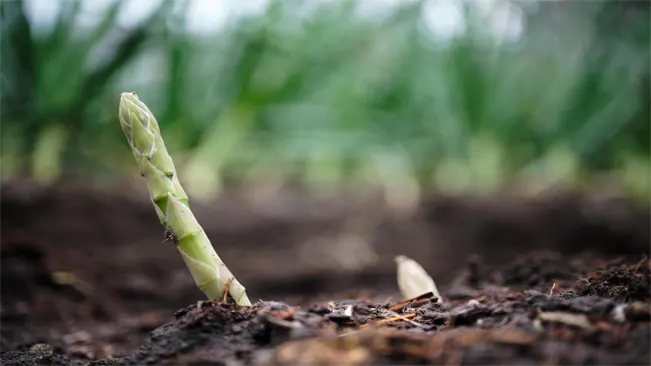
pixel 413 280
pixel 171 202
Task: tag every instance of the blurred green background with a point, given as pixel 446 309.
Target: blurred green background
pixel 403 95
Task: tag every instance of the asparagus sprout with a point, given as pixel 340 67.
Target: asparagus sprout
pixel 172 204
pixel 413 280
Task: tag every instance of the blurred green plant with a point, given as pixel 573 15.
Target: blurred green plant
pixel 318 94
pixel 52 85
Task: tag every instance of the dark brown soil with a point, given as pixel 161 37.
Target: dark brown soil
pixel 86 278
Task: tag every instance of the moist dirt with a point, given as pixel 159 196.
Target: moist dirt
pixel 87 278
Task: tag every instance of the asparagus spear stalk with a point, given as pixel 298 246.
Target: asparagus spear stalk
pixel 172 204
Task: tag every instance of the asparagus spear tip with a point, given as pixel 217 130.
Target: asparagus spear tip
pixel 172 204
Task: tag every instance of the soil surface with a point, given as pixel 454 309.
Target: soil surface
pixel 86 278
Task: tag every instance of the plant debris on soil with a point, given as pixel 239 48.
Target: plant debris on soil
pixel 83 289
pixel 544 324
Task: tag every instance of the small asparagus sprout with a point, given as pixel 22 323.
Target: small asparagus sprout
pixel 172 204
pixel 413 280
